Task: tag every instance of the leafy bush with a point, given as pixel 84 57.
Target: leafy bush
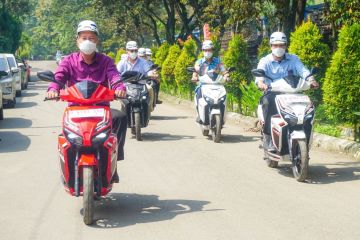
pixel 264 48
pixel 186 59
pixel 111 55
pixel 154 51
pixel 119 52
pixel 342 79
pixel 168 66
pixel 162 53
pixel 250 99
pixel 236 56
pixel 305 42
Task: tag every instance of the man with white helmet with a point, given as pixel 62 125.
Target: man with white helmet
pixel 96 67
pixel 206 64
pixel 148 54
pixel 135 63
pixel 278 64
pixel 142 53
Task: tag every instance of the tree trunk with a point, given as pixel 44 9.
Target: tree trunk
pixel 300 10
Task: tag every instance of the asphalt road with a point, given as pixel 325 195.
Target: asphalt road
pixel 176 184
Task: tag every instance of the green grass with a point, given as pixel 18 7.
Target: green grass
pixel 327 129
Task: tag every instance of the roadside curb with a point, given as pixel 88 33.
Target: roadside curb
pixel 319 140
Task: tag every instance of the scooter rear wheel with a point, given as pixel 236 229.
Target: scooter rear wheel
pixel 88 194
pixel 300 162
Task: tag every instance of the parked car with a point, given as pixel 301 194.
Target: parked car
pixel 7 82
pixel 1 104
pixel 25 73
pixel 15 70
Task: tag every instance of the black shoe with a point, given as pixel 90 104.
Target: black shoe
pixel 115 177
pixel 198 120
pixel 158 101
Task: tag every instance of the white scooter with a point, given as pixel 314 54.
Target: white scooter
pixel 292 127
pixel 212 104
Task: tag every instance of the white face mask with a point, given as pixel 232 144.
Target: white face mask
pixel 208 55
pixel 87 47
pixel 133 55
pixel 278 52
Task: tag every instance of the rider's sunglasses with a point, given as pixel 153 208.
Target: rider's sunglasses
pixel 132 50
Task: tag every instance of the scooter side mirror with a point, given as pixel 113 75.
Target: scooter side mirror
pixel 190 69
pixel 314 71
pixel 231 69
pixel 47 76
pixel 258 73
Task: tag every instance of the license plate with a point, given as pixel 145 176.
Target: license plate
pixel 88 113
pixel 295 99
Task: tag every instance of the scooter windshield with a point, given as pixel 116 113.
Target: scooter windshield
pixel 86 88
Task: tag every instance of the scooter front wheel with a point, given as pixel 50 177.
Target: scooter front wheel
pixel 88 194
pixel 300 160
pixel 216 131
pixel 138 126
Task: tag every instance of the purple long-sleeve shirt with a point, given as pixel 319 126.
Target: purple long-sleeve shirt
pixel 73 69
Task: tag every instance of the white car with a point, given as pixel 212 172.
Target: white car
pixel 16 71
pixel 7 83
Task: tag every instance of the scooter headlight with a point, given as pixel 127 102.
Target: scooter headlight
pixel 73 137
pixel 290 119
pixel 100 138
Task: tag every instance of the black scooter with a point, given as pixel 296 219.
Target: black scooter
pixel 138 106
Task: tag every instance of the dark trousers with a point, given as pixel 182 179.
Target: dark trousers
pixel 156 87
pixel 269 109
pixel 119 122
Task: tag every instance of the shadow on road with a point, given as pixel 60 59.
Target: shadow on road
pixel 25 104
pixel 13 141
pixel 238 138
pixel 28 94
pixel 164 137
pixel 123 209
pixel 326 174
pixel 9 123
pixel 168 117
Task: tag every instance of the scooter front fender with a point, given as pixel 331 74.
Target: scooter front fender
pixel 215 111
pixel 298 135
pixel 87 160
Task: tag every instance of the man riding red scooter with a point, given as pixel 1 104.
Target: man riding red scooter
pixel 93 134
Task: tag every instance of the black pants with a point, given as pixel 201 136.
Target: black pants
pixel 156 87
pixel 269 109
pixel 119 121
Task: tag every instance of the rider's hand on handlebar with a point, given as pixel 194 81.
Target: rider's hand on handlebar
pixel 52 94
pixel 262 86
pixel 120 93
pixel 194 79
pixel 313 83
pixel 227 77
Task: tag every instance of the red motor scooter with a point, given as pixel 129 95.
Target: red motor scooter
pixel 87 147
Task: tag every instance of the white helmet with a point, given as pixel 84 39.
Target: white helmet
pixel 207 44
pixel 278 38
pixel 148 52
pixel 131 45
pixel 87 25
pixel 141 52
